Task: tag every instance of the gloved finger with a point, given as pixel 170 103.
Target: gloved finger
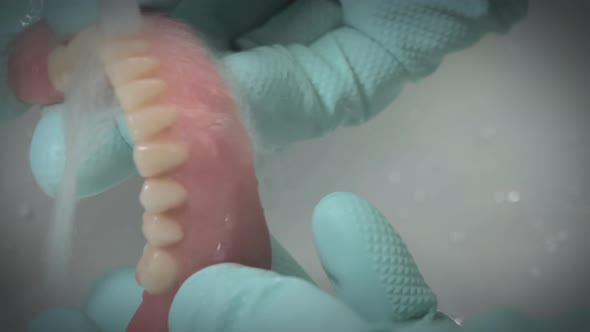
pixel 367 262
pixel 62 320
pixel 234 298
pixel 109 157
pixel 113 300
pixel 284 264
pixel 15 16
pixel 347 76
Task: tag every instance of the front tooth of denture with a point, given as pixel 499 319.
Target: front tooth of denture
pixel 132 68
pixel 150 121
pixel 161 195
pixel 117 50
pixel 156 271
pixel 160 230
pixel 139 93
pixel 153 159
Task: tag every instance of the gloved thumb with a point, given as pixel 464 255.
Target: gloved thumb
pixel 368 263
pixel 234 298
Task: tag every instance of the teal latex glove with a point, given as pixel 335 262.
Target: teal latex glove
pixel 375 278
pixel 377 283
pixel 301 68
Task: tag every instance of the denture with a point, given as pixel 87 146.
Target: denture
pixel 200 193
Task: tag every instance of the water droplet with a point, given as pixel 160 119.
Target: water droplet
pixel 535 272
pixel 513 197
pixel 394 177
pixel 458 321
pixel 24 212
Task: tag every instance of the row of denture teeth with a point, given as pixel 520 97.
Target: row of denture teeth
pixel 132 72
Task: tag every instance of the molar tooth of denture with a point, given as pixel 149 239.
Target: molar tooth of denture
pixel 132 68
pixel 150 121
pixel 160 230
pixel 155 158
pixel 117 50
pixel 156 271
pixel 161 195
pixel 139 93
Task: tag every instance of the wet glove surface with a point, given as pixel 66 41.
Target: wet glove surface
pixel 377 284
pixel 300 68
pixel 228 297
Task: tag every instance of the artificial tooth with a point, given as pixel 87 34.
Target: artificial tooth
pixel 153 159
pixel 161 195
pixel 139 93
pixel 156 271
pixel 160 230
pixel 132 68
pixel 150 121
pixel 117 50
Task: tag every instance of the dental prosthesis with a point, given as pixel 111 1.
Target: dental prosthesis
pixel 200 192
pixel 183 117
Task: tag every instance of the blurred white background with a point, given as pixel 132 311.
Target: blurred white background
pixel 481 168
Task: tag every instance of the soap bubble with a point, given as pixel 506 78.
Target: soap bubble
pixel 513 197
pixel 562 235
pixel 551 245
pixel 24 212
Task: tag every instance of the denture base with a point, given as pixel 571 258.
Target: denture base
pixel 200 193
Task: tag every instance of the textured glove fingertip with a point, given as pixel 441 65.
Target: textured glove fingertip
pixel 367 261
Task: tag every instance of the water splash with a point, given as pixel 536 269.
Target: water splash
pixel 89 110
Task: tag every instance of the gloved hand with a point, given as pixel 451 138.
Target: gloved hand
pixel 375 278
pixel 301 68
pixel 378 288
